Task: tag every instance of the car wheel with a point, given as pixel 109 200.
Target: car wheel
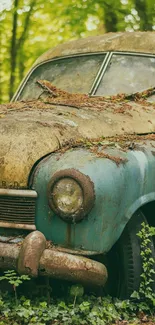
pixel 124 261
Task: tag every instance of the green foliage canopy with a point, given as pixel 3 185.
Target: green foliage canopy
pixel 30 27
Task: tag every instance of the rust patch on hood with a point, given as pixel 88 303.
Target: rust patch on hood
pixel 33 129
pixel 98 145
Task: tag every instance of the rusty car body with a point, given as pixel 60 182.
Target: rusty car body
pixel 77 163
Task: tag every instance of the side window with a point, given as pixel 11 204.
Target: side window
pixel 74 75
pixel 127 74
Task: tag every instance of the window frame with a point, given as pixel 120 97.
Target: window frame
pixel 99 74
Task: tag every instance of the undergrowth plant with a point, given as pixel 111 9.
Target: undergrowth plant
pixel 146 294
pixel 15 280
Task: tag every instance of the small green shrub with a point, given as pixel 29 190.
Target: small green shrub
pixel 15 280
pixel 146 296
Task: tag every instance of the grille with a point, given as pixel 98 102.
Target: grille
pixel 17 209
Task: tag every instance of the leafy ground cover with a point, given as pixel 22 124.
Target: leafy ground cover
pixel 74 308
pixel 88 310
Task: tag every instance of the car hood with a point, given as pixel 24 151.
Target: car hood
pixel 31 130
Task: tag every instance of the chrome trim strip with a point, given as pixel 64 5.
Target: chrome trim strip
pixel 102 71
pixel 91 92
pixel 17 225
pixel 19 193
pixel 134 54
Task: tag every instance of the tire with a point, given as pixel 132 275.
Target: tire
pixel 124 261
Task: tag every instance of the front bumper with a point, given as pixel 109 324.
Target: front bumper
pixel 33 257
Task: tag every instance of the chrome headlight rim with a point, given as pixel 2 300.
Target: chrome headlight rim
pixel 87 188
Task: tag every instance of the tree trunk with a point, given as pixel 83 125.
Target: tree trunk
pixel 17 44
pixel 21 40
pixel 110 20
pixel 21 66
pixel 26 24
pixel 13 49
pixel 146 19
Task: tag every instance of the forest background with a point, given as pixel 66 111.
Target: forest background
pixel 30 27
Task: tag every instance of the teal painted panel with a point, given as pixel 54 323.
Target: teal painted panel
pixel 119 190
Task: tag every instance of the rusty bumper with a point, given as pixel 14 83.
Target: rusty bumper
pixel 33 258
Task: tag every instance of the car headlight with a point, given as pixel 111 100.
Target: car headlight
pixel 71 195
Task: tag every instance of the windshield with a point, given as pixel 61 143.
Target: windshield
pixel 127 74
pixel 75 75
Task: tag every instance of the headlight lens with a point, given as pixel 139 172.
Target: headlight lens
pixel 71 195
pixel 67 195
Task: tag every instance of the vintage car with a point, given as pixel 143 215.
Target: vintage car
pixel 77 163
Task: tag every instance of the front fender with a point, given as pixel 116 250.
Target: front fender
pixel 119 189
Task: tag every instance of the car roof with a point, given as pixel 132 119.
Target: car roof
pixel 142 42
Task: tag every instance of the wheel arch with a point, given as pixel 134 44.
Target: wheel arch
pixel 149 211
pixel 147 204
